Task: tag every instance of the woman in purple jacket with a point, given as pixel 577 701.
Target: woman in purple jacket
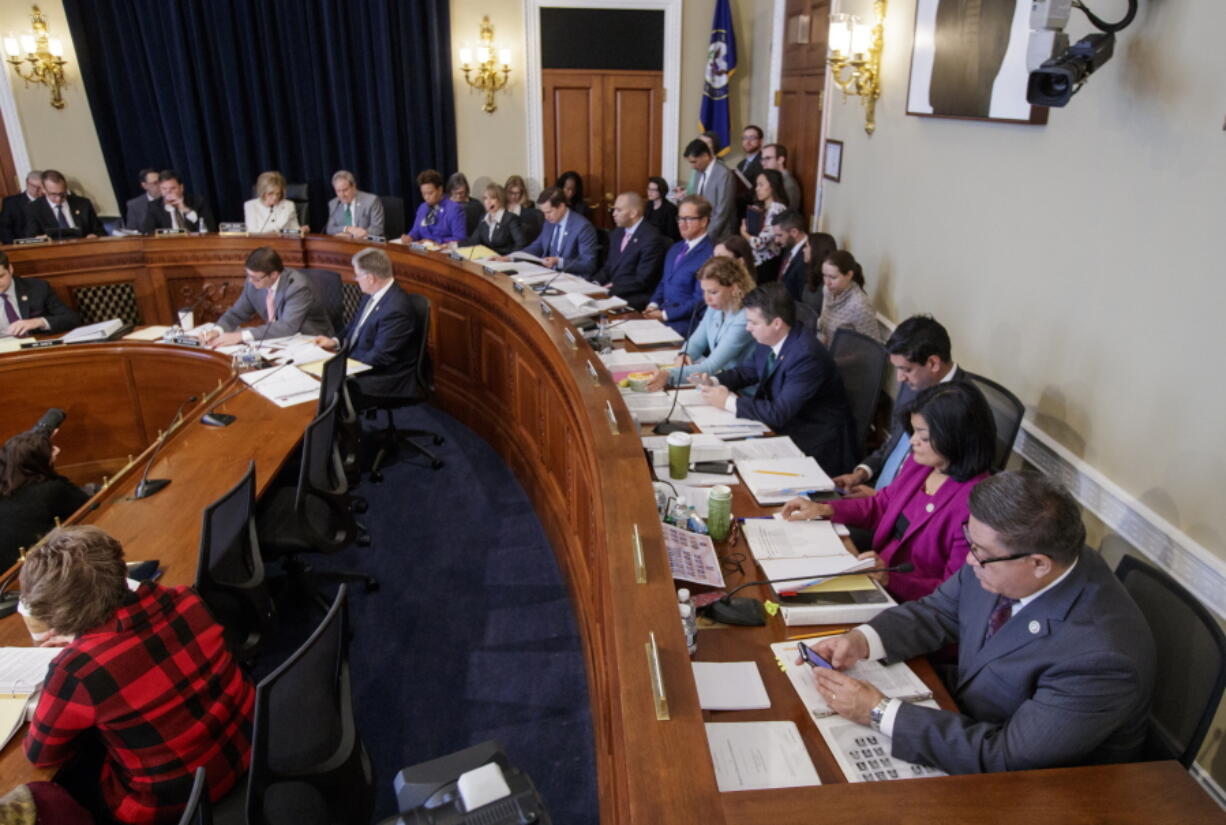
pixel 918 517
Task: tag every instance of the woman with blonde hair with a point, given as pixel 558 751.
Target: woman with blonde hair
pixel 498 230
pixel 270 210
pixel 720 340
pixel 519 203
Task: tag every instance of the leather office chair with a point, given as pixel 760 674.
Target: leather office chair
pixel 300 194
pixel 198 811
pixel 327 287
pixel 861 362
pixel 314 516
pixel 348 428
pixel 1191 651
pixel 230 570
pixel 392 439
pixel 393 216
pixel 1008 410
pixel 308 763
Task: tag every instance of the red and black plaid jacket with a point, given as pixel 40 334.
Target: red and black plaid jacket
pixel 166 697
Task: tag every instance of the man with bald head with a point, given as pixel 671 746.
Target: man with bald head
pixel 13 213
pixel 636 253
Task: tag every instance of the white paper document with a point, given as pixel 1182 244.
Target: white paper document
pixel 776 480
pixel 574 285
pixel 153 333
pixel 777 539
pixel 730 686
pixel 722 423
pixel 752 756
pixel 651 407
pixel 799 573
pixel 703 447
pixel 285 387
pixel 691 557
pixel 645 333
pixel 897 681
pixel 22 669
pixel 864 754
pixel 574 306
pixel 758 448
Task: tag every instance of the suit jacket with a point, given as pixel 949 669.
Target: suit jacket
pixel 367 214
pixel 720 190
pixel 449 223
pixel 1066 681
pixel 135 211
pixel 158 218
pixel 506 236
pixel 802 397
pixel 933 540
pixel 663 218
pixel 795 200
pixel 634 272
pixel 13 217
pixel 474 213
pixel 578 247
pixel 533 221
pixel 36 299
pixel 388 341
pixel 906 395
pixel 41 220
pixel 796 274
pixel 751 168
pixel 679 292
pixel 298 309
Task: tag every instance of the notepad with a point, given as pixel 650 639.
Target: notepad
pixel 154 333
pixel 730 686
pixel 774 539
pixel 648 332
pixel 760 448
pixel 776 480
pixel 22 669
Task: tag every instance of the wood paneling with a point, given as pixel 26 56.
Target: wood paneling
pixel 803 78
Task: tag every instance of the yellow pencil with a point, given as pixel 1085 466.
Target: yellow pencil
pixel 776 473
pixel 815 635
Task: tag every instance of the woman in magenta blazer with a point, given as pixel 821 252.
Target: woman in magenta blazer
pixel 918 517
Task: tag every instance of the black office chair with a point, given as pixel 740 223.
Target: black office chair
pixel 392 439
pixel 308 763
pixel 806 318
pixel 300 194
pixel 198 810
pixel 326 284
pixel 1191 651
pixel 861 362
pixel 230 570
pixel 1008 412
pixel 393 216
pixel 349 429
pixel 315 516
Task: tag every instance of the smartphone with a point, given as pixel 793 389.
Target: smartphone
pixel 718 467
pixel 807 653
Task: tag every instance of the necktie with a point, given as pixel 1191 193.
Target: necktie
pixel 176 219
pixel 357 328
pixel 893 462
pixel 681 254
pixel 1001 613
pixel 59 216
pixel 348 214
pixel 771 361
pixel 10 311
pixel 702 178
pixel 270 307
pixel 625 241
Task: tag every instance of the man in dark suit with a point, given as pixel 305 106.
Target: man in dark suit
pixel 751 143
pixel 28 305
pixel 384 333
pixel 789 229
pixel 60 215
pixel 920 351
pixel 677 300
pixel 636 253
pixel 283 298
pixel 567 242
pixel 176 209
pixel 1055 661
pixel 800 393
pixel 137 208
pixel 13 212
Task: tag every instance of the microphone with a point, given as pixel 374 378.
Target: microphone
pixel 666 426
pixel 332 214
pixel 149 486
pixel 264 225
pixel 748 612
pixel 200 299
pixel 212 418
pixel 540 289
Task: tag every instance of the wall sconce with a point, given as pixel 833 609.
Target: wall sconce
pixel 489 76
pixel 856 46
pixel 44 54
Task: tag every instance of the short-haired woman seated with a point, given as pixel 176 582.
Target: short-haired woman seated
pixel 499 229
pixel 918 518
pixel 32 494
pixel 270 210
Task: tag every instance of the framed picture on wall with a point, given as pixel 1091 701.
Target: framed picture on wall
pixel 968 60
pixel 832 164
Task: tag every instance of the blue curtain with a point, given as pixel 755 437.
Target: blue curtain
pixel 222 90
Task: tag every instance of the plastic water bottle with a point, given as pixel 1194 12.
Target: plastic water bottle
pixel 689 621
pixel 604 338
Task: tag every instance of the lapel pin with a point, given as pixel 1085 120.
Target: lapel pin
pixel 930 507
pixel 1034 627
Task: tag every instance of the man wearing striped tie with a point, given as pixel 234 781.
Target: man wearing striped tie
pixel 1055 661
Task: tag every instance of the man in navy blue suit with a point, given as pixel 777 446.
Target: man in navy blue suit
pixel 383 333
pixel 800 393
pixel 636 253
pixel 680 293
pixel 568 241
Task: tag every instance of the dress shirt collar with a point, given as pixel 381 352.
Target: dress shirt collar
pixel 1025 600
pixel 378 296
pixel 630 230
pixel 494 218
pixel 777 348
pixel 691 244
pixel 949 376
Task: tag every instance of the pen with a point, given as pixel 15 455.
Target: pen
pixel 777 473
pixel 755 518
pixel 815 635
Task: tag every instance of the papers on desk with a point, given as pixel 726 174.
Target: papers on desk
pixel 863 754
pixel 777 539
pixel 753 756
pixel 760 448
pixel 22 670
pixel 691 557
pixel 477 252
pixel 703 447
pixel 525 256
pixel 505 266
pixel 576 305
pixel 802 572
pixel 723 424
pixel 93 332
pixel 777 480
pixel 283 387
pixel 8 344
pixel 652 407
pixel 897 681
pixel 352 367
pixel 648 332
pixel 730 686
pixel 153 333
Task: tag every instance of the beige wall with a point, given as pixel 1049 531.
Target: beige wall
pixel 63 139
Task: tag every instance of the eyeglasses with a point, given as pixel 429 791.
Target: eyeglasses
pixel 976 551
pixel 686 219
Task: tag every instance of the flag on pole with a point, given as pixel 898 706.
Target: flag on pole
pixel 721 63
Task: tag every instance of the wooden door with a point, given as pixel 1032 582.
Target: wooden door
pixel 800 90
pixel 605 125
pixel 9 184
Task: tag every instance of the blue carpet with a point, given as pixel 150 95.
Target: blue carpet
pixel 471 635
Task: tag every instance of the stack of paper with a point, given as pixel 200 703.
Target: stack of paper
pixel 864 754
pixel 776 480
pixel 779 447
pixel 93 332
pixel 771 539
pixel 751 756
pixel 646 333
pixel 703 447
pixel 652 407
pixel 723 424
pixel 730 686
pixel 576 305
pixel 283 386
pixel 22 670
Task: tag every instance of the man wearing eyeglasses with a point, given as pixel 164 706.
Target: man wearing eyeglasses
pixel 283 299
pixel 677 300
pixel 1055 660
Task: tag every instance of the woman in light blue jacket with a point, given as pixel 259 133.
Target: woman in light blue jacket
pixel 720 340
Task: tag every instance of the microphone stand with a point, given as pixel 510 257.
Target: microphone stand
pixel 215 419
pixel 666 427
pixel 149 486
pixel 748 612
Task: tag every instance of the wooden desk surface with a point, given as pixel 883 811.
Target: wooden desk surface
pixel 539 398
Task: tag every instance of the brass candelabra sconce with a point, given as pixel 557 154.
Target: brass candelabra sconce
pixel 45 56
pixel 490 74
pixel 857 46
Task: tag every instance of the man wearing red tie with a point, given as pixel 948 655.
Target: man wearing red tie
pixel 282 298
pixel 28 305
